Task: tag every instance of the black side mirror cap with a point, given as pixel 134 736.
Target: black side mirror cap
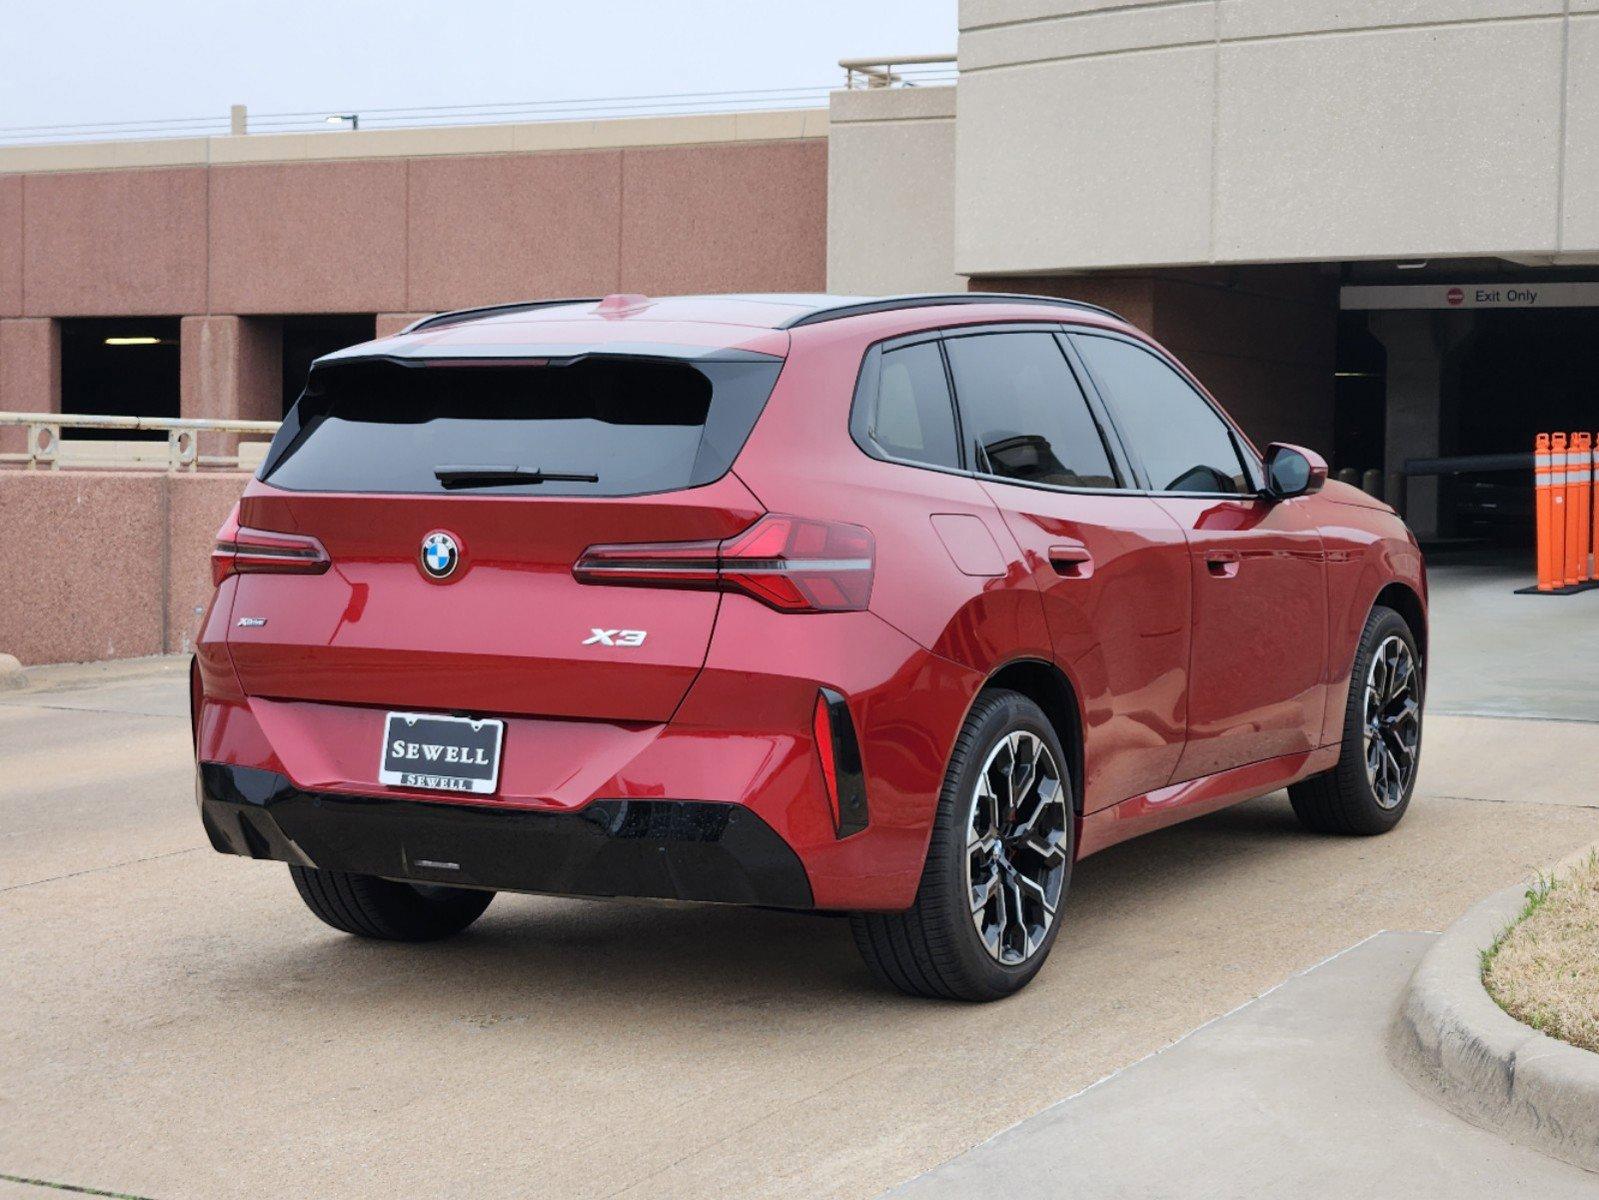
pixel 1293 471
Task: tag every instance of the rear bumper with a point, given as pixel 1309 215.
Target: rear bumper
pixel 667 849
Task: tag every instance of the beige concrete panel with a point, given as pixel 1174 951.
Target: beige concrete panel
pixel 1272 18
pixel 196 507
pixel 891 206
pixel 777 125
pixel 1461 165
pixel 891 104
pixel 109 155
pixel 114 242
pixel 1106 32
pixel 975 14
pixel 1580 204
pixel 308 237
pixel 750 217
pixel 513 227
pixel 10 245
pixel 1091 162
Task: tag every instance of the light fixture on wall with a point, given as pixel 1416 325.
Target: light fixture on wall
pixel 1412 266
pixel 133 341
pixel 352 119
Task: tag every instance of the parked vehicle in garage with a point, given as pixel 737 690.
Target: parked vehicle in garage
pixel 892 607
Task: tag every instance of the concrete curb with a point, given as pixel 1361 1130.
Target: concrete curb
pixel 11 675
pixel 1456 1045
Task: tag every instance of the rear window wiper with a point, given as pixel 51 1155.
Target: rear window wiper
pixel 492 475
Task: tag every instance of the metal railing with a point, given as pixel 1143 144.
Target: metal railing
pixel 882 73
pixel 46 449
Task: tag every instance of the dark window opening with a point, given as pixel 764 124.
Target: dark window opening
pixel 600 426
pixel 306 339
pixel 119 366
pixel 1360 396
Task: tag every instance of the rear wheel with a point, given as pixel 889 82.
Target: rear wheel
pixel 382 908
pixel 997 868
pixel 1370 788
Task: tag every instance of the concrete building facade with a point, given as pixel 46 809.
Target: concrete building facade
pixel 1371 226
pixel 1344 214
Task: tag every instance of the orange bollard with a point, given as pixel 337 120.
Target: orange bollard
pixel 1579 488
pixel 1568 568
pixel 1543 490
pixel 1557 510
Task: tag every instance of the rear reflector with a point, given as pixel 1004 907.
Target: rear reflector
pixel 788 563
pixel 839 751
pixel 242 551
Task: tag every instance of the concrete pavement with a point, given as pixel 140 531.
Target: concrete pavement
pixel 174 1024
pixel 1289 1095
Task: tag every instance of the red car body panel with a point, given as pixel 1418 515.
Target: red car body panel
pixel 1207 643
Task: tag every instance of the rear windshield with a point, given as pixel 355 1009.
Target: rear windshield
pixel 593 427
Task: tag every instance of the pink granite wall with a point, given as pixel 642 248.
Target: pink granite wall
pixel 126 561
pixel 109 243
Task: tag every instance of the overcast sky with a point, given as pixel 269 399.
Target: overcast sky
pixel 89 61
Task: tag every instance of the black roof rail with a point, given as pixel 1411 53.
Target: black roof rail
pixel 457 315
pixel 890 303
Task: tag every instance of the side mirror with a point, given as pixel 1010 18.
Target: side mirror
pixel 1293 471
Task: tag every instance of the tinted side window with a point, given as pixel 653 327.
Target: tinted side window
pixel 911 416
pixel 1185 446
pixel 1024 413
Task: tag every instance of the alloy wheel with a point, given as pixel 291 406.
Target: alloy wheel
pixel 1016 847
pixel 1392 721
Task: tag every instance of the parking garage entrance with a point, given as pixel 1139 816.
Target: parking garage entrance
pixel 1462 370
pixel 119 366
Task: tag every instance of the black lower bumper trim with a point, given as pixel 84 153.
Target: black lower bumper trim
pixel 667 849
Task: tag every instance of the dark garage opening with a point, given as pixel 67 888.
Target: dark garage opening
pixel 306 339
pixel 1518 374
pixel 119 366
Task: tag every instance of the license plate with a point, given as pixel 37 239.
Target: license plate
pixel 446 754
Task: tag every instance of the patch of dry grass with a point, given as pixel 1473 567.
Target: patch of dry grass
pixel 1544 970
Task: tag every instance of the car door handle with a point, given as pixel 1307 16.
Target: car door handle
pixel 1072 561
pixel 1223 564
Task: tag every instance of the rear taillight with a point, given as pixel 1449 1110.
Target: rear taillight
pixel 241 551
pixel 788 563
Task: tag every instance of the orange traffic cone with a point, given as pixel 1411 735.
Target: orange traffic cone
pixel 1543 484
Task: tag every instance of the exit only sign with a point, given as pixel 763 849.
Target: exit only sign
pixel 1472 295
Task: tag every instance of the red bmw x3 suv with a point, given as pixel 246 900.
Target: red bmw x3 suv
pixel 895 607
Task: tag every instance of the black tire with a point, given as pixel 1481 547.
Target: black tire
pixel 1344 800
pixel 933 948
pixel 381 908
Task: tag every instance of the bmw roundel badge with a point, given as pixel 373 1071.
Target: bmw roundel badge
pixel 440 555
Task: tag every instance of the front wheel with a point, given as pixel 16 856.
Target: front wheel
pixel 368 906
pixel 997 868
pixel 1370 788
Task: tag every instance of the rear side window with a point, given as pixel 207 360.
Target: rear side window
pixel 1024 413
pixel 910 416
pixel 1184 444
pixel 610 426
